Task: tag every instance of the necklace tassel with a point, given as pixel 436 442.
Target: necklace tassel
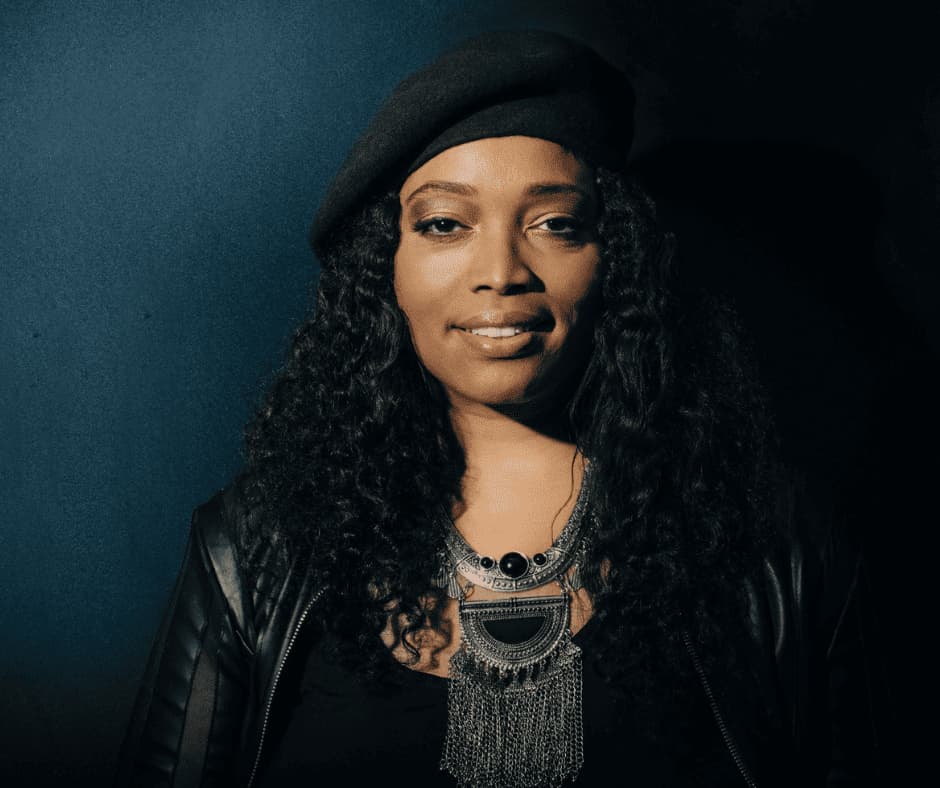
pixel 517 727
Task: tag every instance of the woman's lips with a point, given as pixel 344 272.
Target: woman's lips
pixel 497 332
pixel 500 322
pixel 506 334
pixel 516 346
pixel 503 341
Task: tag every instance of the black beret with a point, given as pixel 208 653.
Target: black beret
pixel 498 84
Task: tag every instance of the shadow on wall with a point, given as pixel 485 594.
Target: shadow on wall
pixel 796 237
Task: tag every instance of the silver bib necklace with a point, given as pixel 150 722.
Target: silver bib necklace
pixel 514 713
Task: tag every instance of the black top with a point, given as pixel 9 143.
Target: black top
pixel 341 729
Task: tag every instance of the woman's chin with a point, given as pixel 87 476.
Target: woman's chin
pixel 520 401
pixel 498 399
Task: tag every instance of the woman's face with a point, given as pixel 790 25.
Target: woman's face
pixel 497 269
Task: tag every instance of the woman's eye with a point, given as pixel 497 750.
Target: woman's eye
pixel 437 226
pixel 563 225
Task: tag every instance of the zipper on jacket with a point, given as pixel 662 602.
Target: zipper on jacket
pixel 716 713
pixel 274 682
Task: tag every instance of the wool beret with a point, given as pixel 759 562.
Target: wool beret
pixel 498 84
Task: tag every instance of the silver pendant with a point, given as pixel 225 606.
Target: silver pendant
pixel 514 715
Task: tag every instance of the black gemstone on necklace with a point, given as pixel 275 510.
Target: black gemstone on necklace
pixel 539 559
pixel 486 562
pixel 513 565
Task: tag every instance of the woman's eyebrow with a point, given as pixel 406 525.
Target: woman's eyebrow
pixel 539 189
pixel 451 187
pixel 465 189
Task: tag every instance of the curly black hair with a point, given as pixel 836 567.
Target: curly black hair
pixel 352 455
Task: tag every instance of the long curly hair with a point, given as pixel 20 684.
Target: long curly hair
pixel 352 455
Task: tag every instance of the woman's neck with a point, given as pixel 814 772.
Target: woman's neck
pixel 496 439
pixel 521 479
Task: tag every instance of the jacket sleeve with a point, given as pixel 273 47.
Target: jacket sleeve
pixel 843 714
pixel 187 720
pixel 857 694
pixel 819 622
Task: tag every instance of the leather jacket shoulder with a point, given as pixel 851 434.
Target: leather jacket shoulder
pixel 203 706
pixel 189 711
pixel 209 699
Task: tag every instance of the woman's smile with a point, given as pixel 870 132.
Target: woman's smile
pixel 505 343
pixel 506 334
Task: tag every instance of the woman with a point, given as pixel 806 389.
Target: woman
pixel 508 516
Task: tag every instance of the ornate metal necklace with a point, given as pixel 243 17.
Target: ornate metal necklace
pixel 514 698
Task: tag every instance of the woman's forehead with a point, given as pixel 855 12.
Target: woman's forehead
pixel 501 163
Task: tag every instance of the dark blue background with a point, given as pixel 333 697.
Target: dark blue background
pixel 160 166
pixel 161 163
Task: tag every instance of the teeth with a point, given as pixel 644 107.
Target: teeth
pixel 497 332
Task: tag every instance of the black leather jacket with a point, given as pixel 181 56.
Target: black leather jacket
pixel 212 697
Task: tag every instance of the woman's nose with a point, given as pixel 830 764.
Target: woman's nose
pixel 499 264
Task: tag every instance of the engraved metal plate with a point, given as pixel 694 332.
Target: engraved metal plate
pixel 553 610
